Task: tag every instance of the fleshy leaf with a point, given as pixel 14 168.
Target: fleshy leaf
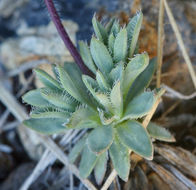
pixel 117 99
pixel 101 56
pixel 133 69
pixel 71 79
pixel 120 158
pixel 111 41
pixel 109 25
pixel 50 114
pixel 47 80
pixel 100 139
pixel 115 28
pixel 159 133
pixel 120 46
pixel 101 80
pixel 86 56
pixel 117 73
pixel 139 106
pixel 100 168
pixel 133 135
pixel 46 126
pixel 77 149
pixel 84 117
pixel 35 98
pixel 143 80
pixel 61 100
pixel 133 29
pixel 100 31
pixel 87 162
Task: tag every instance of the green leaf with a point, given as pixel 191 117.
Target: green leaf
pixel 103 84
pixel 115 28
pixel 133 69
pixel 71 79
pixel 143 80
pixel 139 106
pixel 87 162
pixel 111 41
pixel 117 99
pixel 100 168
pixel 50 114
pixel 77 149
pixel 133 29
pixel 159 133
pixel 61 100
pixel 35 98
pixel 100 139
pixel 84 117
pixel 86 56
pixel 109 25
pixel 120 158
pixel 120 46
pixel 133 135
pixel 100 31
pixel 101 56
pixel 46 126
pixel 47 80
pixel 117 73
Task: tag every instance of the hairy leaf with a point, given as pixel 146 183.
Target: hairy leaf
pixel 77 149
pixel 100 31
pixel 133 135
pixel 143 80
pixel 120 158
pixel 117 99
pixel 35 98
pixel 100 168
pixel 133 29
pixel 50 114
pixel 84 117
pixel 115 28
pixel 120 46
pixel 47 80
pixel 117 73
pixel 46 126
pixel 101 56
pixel 133 69
pixel 159 133
pixel 100 139
pixel 102 81
pixel 139 106
pixel 87 162
pixel 86 56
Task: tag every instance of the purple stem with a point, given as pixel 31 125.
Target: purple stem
pixel 65 37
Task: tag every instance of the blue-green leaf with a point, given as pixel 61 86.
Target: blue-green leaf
pixel 143 80
pixel 133 69
pixel 159 133
pixel 100 139
pixel 120 158
pixel 35 98
pixel 101 56
pixel 100 168
pixel 133 135
pixel 46 125
pixel 133 29
pixel 86 56
pixel 87 162
pixel 120 46
pixel 139 106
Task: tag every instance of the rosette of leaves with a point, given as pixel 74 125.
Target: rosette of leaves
pixel 111 105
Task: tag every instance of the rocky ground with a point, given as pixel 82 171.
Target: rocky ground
pixel 28 39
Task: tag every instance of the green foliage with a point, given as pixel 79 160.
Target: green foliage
pixel 111 105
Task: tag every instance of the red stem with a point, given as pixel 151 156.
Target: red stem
pixel 65 37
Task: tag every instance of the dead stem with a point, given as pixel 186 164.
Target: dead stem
pixel 160 42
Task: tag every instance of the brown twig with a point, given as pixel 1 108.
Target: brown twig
pixel 160 42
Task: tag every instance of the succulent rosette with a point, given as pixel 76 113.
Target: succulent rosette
pixel 111 105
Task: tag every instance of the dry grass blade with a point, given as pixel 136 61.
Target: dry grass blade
pixel 180 42
pixel 160 42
